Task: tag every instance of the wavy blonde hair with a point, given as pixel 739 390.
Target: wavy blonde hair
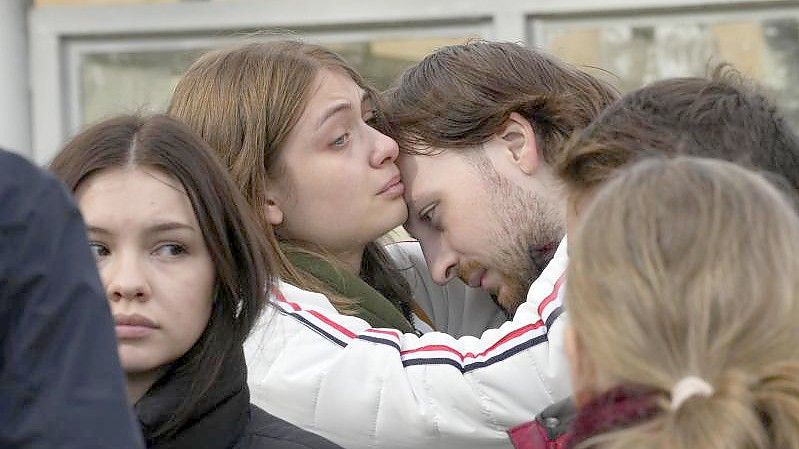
pixel 690 266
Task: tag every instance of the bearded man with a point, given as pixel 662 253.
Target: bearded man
pixel 480 126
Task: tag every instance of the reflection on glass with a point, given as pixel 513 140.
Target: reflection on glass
pixel 767 51
pixel 381 61
pixel 143 81
pixel 113 83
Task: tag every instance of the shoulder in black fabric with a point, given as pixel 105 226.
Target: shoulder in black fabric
pixel 217 422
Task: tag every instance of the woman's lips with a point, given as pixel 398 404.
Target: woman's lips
pixel 133 326
pixel 125 331
pixel 394 187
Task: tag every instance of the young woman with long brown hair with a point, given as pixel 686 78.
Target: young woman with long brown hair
pixel 185 270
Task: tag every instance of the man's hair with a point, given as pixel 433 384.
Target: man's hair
pixel 461 95
pixel 721 117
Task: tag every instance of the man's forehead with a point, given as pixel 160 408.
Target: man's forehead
pixel 428 175
pixel 430 166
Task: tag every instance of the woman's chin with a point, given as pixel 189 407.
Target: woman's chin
pixel 393 227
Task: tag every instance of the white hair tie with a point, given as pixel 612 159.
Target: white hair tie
pixel 688 387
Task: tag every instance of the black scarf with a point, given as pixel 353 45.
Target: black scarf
pixel 217 421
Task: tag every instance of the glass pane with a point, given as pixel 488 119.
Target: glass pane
pixel 143 81
pixel 380 61
pixel 634 55
pixel 113 83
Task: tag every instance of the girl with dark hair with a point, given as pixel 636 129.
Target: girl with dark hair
pixel 186 274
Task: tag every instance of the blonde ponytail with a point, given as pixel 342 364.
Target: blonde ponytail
pixel 690 267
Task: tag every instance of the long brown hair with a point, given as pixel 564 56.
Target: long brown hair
pixel 460 96
pixel 242 262
pixel 688 267
pixel 244 101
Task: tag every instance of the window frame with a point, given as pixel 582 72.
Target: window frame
pixel 59 35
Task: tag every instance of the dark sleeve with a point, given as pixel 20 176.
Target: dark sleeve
pixel 270 432
pixel 61 384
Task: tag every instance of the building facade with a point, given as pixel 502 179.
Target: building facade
pixel 76 61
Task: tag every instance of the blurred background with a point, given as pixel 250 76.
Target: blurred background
pixel 71 62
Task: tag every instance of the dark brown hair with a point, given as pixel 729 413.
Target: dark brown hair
pixel 720 117
pixel 460 96
pixel 240 256
pixel 245 100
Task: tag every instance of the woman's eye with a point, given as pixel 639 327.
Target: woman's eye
pixel 98 250
pixel 341 140
pixel 170 250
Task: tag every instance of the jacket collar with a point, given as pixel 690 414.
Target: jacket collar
pixel 616 409
pixel 217 421
pixel 372 306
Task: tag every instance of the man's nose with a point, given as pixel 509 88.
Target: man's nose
pixel 442 261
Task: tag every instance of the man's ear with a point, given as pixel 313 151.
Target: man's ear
pixel 519 138
pixel 273 211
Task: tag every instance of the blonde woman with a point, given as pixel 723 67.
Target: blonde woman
pixel 682 295
pixel 342 356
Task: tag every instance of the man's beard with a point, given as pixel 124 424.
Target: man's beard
pixel 525 223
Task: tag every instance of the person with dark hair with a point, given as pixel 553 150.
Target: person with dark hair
pixel 721 117
pixel 186 274
pixel 480 126
pixel 61 385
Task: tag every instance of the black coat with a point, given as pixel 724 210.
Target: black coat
pixel 223 419
pixel 61 385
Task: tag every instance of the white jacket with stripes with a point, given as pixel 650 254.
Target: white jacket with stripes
pixel 378 388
